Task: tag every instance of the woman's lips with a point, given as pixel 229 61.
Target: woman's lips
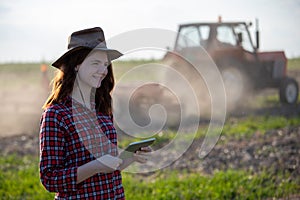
pixel 98 76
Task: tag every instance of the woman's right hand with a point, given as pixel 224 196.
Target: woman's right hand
pixel 108 163
pixel 104 164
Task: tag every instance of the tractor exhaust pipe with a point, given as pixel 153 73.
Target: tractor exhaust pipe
pixel 257 34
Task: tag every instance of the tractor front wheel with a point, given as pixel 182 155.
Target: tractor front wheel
pixel 288 91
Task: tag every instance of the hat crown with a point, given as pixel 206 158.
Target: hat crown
pixel 92 38
pixel 89 38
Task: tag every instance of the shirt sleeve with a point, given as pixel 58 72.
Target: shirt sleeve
pixel 53 174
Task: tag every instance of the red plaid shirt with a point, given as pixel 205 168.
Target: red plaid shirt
pixel 70 136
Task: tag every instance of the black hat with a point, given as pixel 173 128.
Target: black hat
pixel 92 38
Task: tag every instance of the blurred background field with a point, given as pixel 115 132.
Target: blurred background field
pixel 257 156
pixel 24 88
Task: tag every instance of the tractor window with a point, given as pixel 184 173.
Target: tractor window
pixel 225 35
pixel 188 37
pixel 204 32
pixel 246 40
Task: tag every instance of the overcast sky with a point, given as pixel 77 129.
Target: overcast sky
pixel 36 30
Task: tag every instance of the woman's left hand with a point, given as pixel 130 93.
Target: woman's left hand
pixel 142 155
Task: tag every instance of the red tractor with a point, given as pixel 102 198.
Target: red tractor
pixel 243 67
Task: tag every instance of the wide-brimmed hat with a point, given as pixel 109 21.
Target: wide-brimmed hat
pixel 92 38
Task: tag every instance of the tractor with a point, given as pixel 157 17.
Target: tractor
pixel 240 62
pixel 243 68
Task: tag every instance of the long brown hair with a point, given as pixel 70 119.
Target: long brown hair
pixel 64 80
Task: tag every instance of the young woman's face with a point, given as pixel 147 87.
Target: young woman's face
pixel 93 69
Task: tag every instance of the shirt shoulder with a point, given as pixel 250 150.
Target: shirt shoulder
pixel 62 109
pixel 57 113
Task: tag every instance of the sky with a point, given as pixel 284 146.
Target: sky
pixel 37 30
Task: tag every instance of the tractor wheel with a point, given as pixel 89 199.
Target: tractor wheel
pixel 288 91
pixel 235 84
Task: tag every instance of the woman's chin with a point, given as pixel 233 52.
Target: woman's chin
pixel 98 85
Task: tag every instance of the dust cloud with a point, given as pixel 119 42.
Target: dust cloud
pixel 212 87
pixel 22 95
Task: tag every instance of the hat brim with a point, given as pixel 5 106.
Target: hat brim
pixel 112 54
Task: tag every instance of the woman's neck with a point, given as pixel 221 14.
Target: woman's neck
pixel 82 93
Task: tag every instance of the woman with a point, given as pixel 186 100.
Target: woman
pixel 78 143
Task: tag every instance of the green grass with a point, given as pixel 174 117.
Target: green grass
pixel 120 66
pixel 257 124
pixel 294 63
pixel 19 179
pixel 234 128
pixel 19 67
pixel 267 101
pixel 222 185
pixel 14 76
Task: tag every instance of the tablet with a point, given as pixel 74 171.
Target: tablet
pixel 135 146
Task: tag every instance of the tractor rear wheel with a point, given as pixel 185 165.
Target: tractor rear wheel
pixel 235 84
pixel 288 91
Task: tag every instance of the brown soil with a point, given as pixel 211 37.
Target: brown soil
pixel 274 151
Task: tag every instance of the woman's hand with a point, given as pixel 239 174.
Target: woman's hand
pixel 142 155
